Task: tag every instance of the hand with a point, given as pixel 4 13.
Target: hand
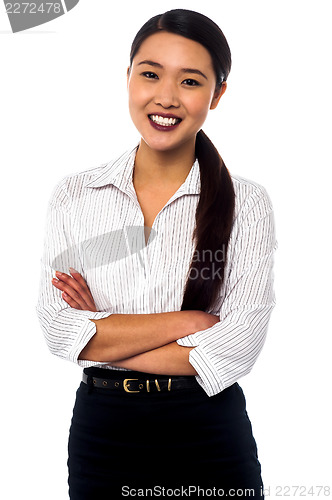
pixel 75 290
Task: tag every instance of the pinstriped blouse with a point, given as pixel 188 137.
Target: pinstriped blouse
pixel 95 224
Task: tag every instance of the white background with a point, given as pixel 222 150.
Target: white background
pixel 64 109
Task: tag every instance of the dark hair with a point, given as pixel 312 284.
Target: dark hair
pixel 215 209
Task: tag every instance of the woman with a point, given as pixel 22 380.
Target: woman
pixel 171 286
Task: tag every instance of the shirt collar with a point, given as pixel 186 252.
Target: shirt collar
pixel 119 172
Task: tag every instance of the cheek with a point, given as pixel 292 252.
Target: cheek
pixel 199 107
pixel 138 95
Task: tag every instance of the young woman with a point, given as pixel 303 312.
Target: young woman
pixel 164 285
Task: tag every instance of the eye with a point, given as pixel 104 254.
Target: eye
pixel 191 83
pixel 150 75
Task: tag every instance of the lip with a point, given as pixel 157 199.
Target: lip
pixel 164 128
pixel 165 115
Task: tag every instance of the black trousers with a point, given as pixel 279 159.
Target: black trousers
pixel 121 442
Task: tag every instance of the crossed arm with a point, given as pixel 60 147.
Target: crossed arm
pixel 142 342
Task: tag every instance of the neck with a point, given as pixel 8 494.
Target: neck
pixel 167 167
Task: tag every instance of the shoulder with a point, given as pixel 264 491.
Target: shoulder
pixel 69 186
pixel 250 196
pixel 72 182
pixel 72 186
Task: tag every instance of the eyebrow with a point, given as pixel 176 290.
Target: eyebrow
pixel 183 70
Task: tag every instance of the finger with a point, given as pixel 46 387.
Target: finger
pixel 85 291
pixel 79 278
pixel 81 289
pixel 63 287
pixel 88 298
pixel 76 300
pixel 70 301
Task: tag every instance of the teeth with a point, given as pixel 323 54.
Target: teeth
pixel 160 120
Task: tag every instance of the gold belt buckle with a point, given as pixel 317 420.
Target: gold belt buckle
pixel 126 382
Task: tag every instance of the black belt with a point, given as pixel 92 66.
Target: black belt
pixel 135 385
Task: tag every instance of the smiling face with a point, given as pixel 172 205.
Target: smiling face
pixel 171 87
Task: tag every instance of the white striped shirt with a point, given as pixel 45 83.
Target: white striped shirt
pixel 95 225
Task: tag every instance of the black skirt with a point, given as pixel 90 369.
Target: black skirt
pixel 130 444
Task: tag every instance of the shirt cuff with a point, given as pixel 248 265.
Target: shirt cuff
pixel 208 377
pixel 87 330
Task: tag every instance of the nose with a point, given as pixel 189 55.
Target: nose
pixel 166 94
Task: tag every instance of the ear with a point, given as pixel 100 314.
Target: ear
pixel 128 74
pixel 217 95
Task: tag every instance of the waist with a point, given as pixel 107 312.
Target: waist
pixel 136 382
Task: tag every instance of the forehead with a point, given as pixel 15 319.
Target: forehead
pixel 169 49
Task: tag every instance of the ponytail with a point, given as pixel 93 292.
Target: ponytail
pixel 214 218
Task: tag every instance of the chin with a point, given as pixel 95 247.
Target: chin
pixel 166 143
pixel 162 144
pixel 156 146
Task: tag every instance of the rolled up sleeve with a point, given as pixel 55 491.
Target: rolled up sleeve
pixel 66 330
pixel 227 351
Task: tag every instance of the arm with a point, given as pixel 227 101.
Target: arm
pixel 124 336
pixel 121 336
pixel 170 359
pixel 66 330
pixel 228 350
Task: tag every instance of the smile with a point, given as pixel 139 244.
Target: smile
pixel 166 122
